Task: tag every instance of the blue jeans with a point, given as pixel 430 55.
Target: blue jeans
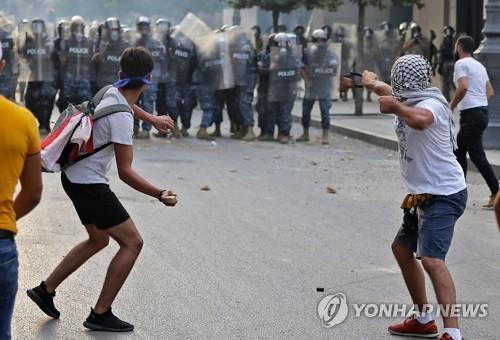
pixel 280 113
pixel 8 284
pixel 436 223
pixel 324 105
pixel 206 98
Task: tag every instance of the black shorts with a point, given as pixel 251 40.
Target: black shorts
pixel 95 204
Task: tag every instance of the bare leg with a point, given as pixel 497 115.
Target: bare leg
pixel 443 286
pixel 412 274
pixel 77 256
pixel 130 241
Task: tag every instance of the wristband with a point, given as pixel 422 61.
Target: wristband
pixel 161 194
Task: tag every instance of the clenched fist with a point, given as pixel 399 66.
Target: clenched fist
pixel 369 79
pixel 388 104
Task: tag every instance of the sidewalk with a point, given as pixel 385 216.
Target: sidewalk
pixel 373 127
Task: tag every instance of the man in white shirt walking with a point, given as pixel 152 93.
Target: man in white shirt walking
pixel 473 91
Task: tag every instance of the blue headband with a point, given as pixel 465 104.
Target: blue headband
pixel 127 80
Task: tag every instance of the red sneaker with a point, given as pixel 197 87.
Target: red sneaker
pixel 411 327
pixel 446 336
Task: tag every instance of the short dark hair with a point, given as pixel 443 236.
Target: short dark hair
pixel 466 43
pixel 136 62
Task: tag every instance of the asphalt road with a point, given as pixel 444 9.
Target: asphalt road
pixel 243 260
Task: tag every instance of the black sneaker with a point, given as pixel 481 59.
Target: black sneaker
pixel 106 322
pixel 44 300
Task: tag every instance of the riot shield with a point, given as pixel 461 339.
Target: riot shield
pixel 77 59
pixel 157 50
pixel 347 36
pixel 107 63
pixel 283 74
pixel 389 49
pixel 39 54
pixel 214 62
pixel 182 59
pixel 23 30
pixel 243 57
pixel 9 54
pixel 337 51
pixel 194 29
pixel 321 67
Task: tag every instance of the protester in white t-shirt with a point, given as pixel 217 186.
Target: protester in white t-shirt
pixel 98 208
pixel 471 97
pixel 435 182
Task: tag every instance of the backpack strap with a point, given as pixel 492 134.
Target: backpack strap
pixel 108 110
pixel 82 157
pixel 99 95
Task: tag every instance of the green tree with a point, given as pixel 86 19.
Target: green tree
pixel 276 7
pixel 362 6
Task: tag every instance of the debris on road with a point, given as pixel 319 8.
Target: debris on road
pixel 205 188
pixel 331 190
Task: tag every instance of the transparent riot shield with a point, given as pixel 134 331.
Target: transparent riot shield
pixel 346 35
pixel 193 28
pixel 76 59
pixel 7 40
pixel 39 54
pixel 321 67
pixel 182 59
pixel 389 50
pixel 337 51
pixel 243 57
pixel 214 62
pixel 283 73
pixel 22 33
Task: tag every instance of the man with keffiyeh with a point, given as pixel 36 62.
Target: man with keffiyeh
pixel 437 192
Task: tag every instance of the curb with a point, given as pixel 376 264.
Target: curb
pixel 374 139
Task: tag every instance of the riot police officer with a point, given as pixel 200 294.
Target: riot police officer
pixel 74 66
pixel 157 50
pixel 417 43
pixel 165 99
pixel 283 77
pixel 446 61
pixel 182 63
pixel 319 69
pixel 41 90
pixel 106 63
pixel 263 64
pixel 63 35
pixel 299 31
pixel 244 64
pixel 8 78
pixel 389 50
pixel 257 36
pixel 370 53
pixel 347 55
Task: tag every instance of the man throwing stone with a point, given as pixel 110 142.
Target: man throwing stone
pixel 436 184
pixel 98 208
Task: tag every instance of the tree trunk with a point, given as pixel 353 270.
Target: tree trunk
pixel 358 92
pixel 276 17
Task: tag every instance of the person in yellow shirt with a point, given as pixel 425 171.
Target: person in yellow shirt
pixel 19 162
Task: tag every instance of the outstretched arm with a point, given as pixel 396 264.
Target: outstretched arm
pixel 161 123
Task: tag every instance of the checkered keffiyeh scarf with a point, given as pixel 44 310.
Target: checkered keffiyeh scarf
pixel 411 77
pixel 410 73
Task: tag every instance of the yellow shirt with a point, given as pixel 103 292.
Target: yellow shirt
pixel 19 138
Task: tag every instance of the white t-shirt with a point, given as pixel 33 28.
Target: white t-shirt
pixel 477 77
pixel 428 164
pixel 116 128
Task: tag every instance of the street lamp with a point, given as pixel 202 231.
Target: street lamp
pixel 489 54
